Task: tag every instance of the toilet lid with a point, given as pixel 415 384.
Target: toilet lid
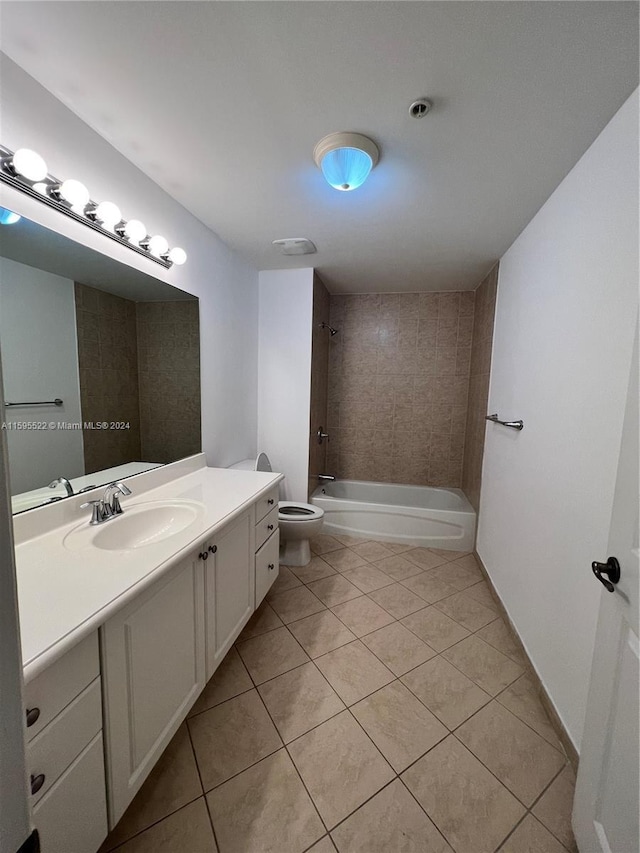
pixel 295 511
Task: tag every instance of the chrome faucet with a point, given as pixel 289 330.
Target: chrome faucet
pixel 109 505
pixel 64 482
pixel 326 478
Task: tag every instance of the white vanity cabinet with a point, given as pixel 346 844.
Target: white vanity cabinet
pixel 65 752
pixel 267 543
pixel 229 585
pixel 153 669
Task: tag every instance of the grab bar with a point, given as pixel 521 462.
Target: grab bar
pixel 513 424
pixel 56 402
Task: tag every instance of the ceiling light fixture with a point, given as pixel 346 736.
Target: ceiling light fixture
pixel 26 171
pixel 346 159
pixel 295 246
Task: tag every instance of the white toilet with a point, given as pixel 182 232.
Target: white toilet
pixel 299 522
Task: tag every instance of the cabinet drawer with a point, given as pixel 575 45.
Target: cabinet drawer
pixel 53 750
pixel 72 816
pixel 267 566
pixel 59 684
pixel 266 527
pixel 266 503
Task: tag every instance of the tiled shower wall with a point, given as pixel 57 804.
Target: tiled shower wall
pixel 319 381
pixel 398 386
pixel 485 307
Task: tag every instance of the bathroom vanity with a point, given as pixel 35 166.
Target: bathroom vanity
pixel 122 625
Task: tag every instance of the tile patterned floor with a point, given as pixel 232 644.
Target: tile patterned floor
pixel 376 703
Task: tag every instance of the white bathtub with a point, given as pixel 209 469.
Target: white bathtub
pixel 412 515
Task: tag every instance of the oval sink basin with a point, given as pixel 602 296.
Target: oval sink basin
pixel 139 526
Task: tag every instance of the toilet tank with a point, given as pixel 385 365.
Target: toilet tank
pixel 260 463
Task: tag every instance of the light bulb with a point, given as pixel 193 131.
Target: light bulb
pixel 135 231
pixel 29 164
pixel 108 214
pixel 177 256
pixel 8 217
pixel 41 187
pixel 75 193
pixel 158 245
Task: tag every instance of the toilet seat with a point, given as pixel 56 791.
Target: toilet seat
pixel 295 511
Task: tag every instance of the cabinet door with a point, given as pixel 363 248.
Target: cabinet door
pixel 230 587
pixel 153 671
pixel 267 566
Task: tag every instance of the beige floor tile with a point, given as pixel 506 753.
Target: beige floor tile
pixel 429 588
pixel 345 559
pixel 323 544
pixel 397 547
pixel 499 635
pixel 520 758
pixel 299 700
pixel 424 558
pixel 554 808
pixel 398 568
pixel 172 783
pixel 397 600
pixel 481 592
pixel 435 628
pixel 325 845
pixel 362 616
pixel 271 654
pixel 398 648
pixel 399 724
pixel 469 806
pixel 466 610
pixel 285 580
pixel 313 571
pixel 340 767
pixel 295 604
pixel 449 555
pixel 347 540
pixel 451 696
pixel 353 672
pixel 231 737
pixel 468 561
pixel 264 810
pixel 455 575
pixel 367 578
pixel 334 590
pixel 372 550
pixel 483 664
pixel 263 620
pixel 391 822
pixel 521 698
pixel 229 680
pixel 531 837
pixel 321 633
pixel 187 829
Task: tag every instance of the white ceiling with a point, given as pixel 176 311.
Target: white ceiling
pixel 221 104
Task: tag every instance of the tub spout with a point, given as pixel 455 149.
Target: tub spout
pixel 326 478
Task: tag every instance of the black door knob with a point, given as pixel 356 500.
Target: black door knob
pixel 270 501
pixel 269 526
pixel 32 716
pixel 204 555
pixel 611 568
pixel 37 782
pixel 271 567
pixel 213 549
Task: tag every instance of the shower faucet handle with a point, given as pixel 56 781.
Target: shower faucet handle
pixel 320 435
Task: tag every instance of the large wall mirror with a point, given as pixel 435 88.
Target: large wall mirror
pixel 100 367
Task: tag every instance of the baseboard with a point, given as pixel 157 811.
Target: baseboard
pixel 567 744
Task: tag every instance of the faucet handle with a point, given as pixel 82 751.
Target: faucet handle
pixel 98 511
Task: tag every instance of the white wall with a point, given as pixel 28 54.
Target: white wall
pixel 226 285
pixel 284 375
pixel 40 362
pixel 567 300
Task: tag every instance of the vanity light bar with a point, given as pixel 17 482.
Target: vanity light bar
pixel 26 171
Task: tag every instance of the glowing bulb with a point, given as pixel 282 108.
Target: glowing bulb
pixel 75 193
pixel 177 256
pixel 108 214
pixel 41 187
pixel 8 217
pixel 135 231
pixel 29 164
pixel 158 245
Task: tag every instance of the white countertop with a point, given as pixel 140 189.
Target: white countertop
pixel 63 595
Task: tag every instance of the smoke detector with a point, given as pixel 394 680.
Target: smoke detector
pixel 295 246
pixel 420 108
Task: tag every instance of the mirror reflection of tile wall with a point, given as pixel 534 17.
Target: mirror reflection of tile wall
pixel 139 364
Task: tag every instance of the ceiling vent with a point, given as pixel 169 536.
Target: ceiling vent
pixel 295 246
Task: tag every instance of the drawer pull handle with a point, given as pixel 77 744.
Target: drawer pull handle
pixel 269 526
pixel 32 716
pixel 270 501
pixel 271 567
pixel 204 555
pixel 37 782
pixel 213 549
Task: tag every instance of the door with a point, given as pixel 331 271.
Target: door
pixel 605 813
pixel 229 587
